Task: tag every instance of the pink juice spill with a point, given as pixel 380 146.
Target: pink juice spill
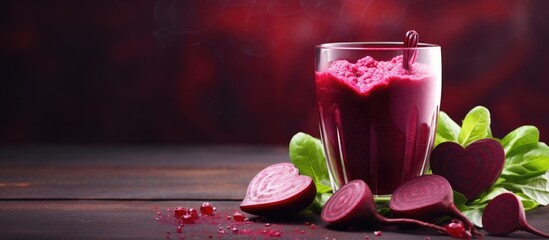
pixel 377 120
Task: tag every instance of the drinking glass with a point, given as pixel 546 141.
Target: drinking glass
pixel 377 116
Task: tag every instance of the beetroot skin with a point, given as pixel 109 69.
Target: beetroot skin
pixel 354 204
pixel 278 190
pixel 469 170
pixel 427 197
pixel 351 204
pixel 505 214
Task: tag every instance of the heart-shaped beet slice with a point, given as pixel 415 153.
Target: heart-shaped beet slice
pixel 469 170
pixel 278 190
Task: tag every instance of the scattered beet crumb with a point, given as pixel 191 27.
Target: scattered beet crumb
pixel 206 208
pixel 193 213
pixel 178 212
pixel 238 217
pixel 187 218
pixel 427 238
pixel 220 230
pixel 456 229
pixel 377 233
pixel 179 216
pixel 313 226
pixel 275 233
pixel 367 237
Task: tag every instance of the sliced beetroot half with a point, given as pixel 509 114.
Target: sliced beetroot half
pixel 354 205
pixel 505 214
pixel 428 198
pixel 469 170
pixel 278 190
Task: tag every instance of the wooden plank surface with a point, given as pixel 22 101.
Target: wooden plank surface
pixel 132 173
pixel 116 192
pixel 87 219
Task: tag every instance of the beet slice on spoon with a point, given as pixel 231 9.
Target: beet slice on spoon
pixel 354 204
pixel 469 170
pixel 427 197
pixel 505 214
pixel 278 190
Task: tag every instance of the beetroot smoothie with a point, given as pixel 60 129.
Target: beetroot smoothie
pixel 377 120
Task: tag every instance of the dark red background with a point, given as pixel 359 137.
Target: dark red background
pixel 241 72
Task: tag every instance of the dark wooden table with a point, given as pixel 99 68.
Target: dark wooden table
pixel 74 192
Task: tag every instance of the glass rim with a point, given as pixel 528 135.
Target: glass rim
pixel 373 46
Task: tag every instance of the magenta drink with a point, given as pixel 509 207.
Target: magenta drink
pixel 377 117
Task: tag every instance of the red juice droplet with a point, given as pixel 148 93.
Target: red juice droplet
pixel 187 219
pixel 238 217
pixel 206 208
pixel 456 229
pixel 178 212
pixel 193 213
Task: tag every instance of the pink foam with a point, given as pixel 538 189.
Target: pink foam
pixel 368 72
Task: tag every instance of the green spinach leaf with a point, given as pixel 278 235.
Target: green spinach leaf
pixel 447 129
pixel 474 214
pixel 526 161
pixel 521 136
pixel 536 188
pixel 307 154
pixel 476 126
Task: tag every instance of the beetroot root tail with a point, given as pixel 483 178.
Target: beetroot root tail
pixel 526 227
